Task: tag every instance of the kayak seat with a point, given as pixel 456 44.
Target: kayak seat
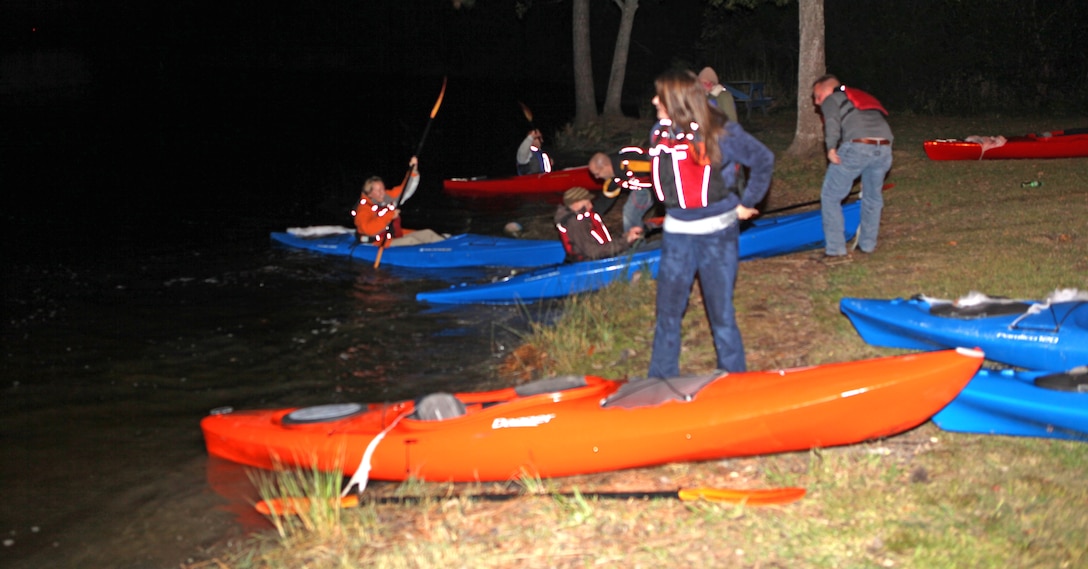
pixel 1075 380
pixel 550 385
pixel 985 309
pixel 438 407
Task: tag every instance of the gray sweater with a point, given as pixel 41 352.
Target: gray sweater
pixel 844 122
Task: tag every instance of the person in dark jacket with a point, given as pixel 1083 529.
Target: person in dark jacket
pixel 689 146
pixel 627 169
pixel 582 230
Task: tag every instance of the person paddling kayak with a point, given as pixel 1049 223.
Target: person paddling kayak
pixel 377 213
pixel 531 157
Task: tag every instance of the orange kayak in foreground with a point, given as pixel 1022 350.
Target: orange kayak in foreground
pixel 583 424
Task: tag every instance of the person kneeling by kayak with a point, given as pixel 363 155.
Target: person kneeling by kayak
pixel 377 213
pixel 583 232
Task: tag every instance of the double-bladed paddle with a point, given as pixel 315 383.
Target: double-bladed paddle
pixel 751 497
pixel 407 176
pixel 886 187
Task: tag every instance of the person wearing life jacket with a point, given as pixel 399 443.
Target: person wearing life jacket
pixel 859 144
pixel 582 230
pixel 626 169
pixel 689 146
pixel 377 213
pixel 531 157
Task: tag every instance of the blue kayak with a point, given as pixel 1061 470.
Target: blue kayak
pixel 458 251
pixel 1052 335
pixel 1017 403
pixel 763 237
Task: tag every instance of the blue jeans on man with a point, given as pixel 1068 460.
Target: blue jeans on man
pixel 714 257
pixel 871 163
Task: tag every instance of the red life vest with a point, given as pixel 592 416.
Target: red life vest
pixel 682 175
pixel 862 100
pixel 597 230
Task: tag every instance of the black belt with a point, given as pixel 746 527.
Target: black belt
pixel 876 141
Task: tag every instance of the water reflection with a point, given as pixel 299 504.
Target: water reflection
pixel 140 291
pixel 108 372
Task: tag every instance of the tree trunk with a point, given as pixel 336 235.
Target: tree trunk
pixel 585 99
pixel 614 96
pixel 809 136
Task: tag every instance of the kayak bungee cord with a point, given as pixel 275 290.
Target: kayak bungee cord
pixel 362 474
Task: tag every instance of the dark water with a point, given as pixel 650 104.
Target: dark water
pixel 141 291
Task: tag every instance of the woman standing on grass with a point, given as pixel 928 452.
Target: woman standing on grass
pixel 689 146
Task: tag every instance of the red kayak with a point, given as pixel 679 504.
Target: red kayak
pixel 1071 143
pixel 546 183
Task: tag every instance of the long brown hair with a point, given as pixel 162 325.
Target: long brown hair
pixel 686 102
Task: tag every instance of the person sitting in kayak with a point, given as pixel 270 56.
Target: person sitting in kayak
pixel 627 169
pixel 531 157
pixel 582 230
pixel 377 214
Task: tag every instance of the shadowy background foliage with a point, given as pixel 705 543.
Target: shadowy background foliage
pixel 946 57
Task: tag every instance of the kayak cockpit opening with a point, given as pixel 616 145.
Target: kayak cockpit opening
pixel 551 385
pixel 438 407
pixel 648 392
pixel 1075 380
pixel 974 305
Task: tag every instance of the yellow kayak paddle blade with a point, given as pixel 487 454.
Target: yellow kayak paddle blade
pixel 765 497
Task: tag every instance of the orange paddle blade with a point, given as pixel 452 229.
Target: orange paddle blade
pixel 764 497
pixel 441 94
pixel 292 506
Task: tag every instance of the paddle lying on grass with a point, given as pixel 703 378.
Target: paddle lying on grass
pixel 754 497
pixel 404 185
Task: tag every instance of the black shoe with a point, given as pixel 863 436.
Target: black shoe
pixel 831 260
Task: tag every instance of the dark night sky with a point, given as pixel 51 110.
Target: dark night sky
pixel 896 46
pixel 106 98
pixel 275 98
pixel 425 37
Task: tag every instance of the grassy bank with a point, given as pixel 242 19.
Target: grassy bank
pixel 925 498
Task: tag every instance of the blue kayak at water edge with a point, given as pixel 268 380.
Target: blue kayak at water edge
pixel 1015 403
pixel 1049 335
pixel 763 237
pixel 457 251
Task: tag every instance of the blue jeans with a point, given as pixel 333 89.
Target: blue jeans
pixel 714 257
pixel 871 163
pixel 635 208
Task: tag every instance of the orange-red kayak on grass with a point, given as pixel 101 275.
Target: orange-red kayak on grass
pixel 583 424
